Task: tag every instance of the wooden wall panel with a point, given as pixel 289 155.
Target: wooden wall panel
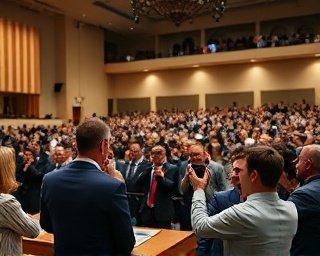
pixel 223 100
pixel 19 58
pixel 133 104
pixel 178 103
pixel 289 96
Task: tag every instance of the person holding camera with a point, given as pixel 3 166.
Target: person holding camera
pixel 221 201
pixel 263 224
pixel 199 161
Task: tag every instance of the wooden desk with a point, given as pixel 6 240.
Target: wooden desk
pixel 166 243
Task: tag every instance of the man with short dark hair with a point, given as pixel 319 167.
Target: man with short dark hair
pixel 262 225
pixel 85 208
pixel 307 200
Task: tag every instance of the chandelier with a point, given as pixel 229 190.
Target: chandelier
pixel 177 11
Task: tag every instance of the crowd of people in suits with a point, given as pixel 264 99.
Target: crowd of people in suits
pixel 154 152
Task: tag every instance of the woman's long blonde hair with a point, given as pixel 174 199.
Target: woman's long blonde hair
pixel 8 182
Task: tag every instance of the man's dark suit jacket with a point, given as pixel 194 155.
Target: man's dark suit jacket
pixel 163 204
pixel 136 195
pixel 131 183
pixel 87 211
pixel 307 200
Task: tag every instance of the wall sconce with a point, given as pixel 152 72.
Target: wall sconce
pixel 77 101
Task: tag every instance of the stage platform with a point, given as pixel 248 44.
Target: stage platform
pixel 29 122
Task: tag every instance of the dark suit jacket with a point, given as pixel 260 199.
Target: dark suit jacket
pixel 136 195
pixel 307 200
pixel 144 165
pixel 87 211
pixel 163 205
pixel 28 194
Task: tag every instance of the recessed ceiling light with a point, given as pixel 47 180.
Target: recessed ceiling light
pixel 195 66
pixel 252 60
pixel 84 15
pixel 317 55
pixel 131 28
pixel 145 70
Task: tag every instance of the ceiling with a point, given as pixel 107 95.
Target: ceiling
pixel 113 15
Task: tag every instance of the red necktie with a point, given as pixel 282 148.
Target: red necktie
pixel 152 192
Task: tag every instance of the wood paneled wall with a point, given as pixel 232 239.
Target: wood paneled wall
pixel 20 67
pixel 19 58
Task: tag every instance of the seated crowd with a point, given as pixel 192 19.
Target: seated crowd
pixel 155 152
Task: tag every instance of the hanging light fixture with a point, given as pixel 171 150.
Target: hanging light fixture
pixel 177 11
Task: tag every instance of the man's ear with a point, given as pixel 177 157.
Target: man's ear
pixel 101 147
pixel 308 164
pixel 254 176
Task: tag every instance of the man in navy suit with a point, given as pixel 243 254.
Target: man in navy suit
pixel 307 200
pixel 130 171
pixel 85 208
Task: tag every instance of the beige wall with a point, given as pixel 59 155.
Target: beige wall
pixel 73 55
pixel 69 54
pixel 45 24
pixel 256 77
pixel 85 75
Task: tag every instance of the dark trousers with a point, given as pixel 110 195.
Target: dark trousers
pixel 149 220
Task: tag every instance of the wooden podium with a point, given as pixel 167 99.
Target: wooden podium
pixel 166 243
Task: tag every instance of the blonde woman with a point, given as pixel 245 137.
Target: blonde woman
pixel 14 222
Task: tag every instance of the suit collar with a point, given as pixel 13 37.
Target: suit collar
pixel 88 160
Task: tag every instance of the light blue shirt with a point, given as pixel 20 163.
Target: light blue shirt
pixel 262 225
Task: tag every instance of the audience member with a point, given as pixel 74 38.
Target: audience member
pixel 263 224
pixel 307 200
pixel 30 178
pixel 200 162
pixel 221 201
pixel 85 208
pixel 217 130
pixel 131 170
pixel 15 223
pixel 59 157
pixel 158 184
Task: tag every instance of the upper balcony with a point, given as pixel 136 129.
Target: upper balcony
pixel 219 58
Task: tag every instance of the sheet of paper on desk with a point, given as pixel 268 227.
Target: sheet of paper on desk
pixel 143 235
